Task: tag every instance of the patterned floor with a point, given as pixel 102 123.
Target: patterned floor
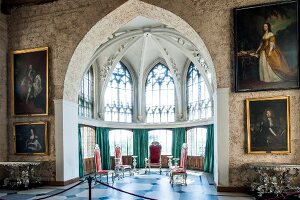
pixel 150 185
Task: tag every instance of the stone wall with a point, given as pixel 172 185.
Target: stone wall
pixel 61 25
pixel 3 87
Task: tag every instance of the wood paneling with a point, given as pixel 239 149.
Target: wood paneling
pixel 89 165
pixel 195 163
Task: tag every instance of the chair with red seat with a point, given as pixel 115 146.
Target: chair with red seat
pixel 119 167
pixel 154 159
pixel 98 168
pixel 181 169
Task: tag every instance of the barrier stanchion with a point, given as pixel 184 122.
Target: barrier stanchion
pixel 89 179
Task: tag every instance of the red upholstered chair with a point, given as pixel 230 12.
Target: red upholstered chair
pixel 154 159
pixel 119 167
pixel 181 169
pixel 98 169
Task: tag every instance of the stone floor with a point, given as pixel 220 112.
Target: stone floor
pixel 153 185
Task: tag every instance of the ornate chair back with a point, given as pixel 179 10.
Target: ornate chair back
pixel 155 152
pixel 98 167
pixel 183 156
pixel 118 155
pixel 181 170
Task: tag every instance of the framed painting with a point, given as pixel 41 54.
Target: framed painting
pixel 268 125
pixel 31 138
pixel 267 47
pixel 29 76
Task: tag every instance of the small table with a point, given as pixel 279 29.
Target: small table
pixel 274 178
pixel 20 173
pixel 135 170
pixel 169 164
pixel 176 161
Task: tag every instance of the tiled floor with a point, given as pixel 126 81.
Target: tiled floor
pixel 150 185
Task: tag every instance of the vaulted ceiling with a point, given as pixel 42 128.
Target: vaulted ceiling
pixel 142 42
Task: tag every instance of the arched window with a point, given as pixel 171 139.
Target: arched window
pixel 196 141
pixel 199 104
pixel 88 141
pixel 86 95
pixel 164 137
pixel 118 96
pixel 123 138
pixel 160 95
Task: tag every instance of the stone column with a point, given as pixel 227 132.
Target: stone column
pixel 66 140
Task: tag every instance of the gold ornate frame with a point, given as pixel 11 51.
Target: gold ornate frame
pixel 25 101
pixel 20 137
pixel 268 133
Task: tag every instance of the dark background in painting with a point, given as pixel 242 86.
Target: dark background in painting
pixel 257 113
pixel 21 62
pixel 22 135
pixel 249 32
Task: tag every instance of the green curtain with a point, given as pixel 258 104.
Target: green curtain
pixel 209 150
pixel 177 140
pixel 102 139
pixel 81 167
pixel 140 146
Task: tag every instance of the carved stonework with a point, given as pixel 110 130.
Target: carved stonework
pixel 179 117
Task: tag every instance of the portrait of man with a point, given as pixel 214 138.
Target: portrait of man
pixel 266 40
pixel 268 125
pixel 30 82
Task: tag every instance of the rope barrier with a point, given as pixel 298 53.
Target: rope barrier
pixel 124 191
pixel 62 191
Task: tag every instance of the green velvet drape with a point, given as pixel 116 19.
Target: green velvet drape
pixel 81 166
pixel 179 137
pixel 102 139
pixel 140 146
pixel 209 150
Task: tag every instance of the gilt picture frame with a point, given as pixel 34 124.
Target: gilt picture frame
pixel 266 41
pixel 31 138
pixel 29 82
pixel 268 125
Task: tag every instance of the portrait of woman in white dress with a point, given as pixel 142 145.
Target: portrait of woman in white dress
pixel 267 47
pixel 272 64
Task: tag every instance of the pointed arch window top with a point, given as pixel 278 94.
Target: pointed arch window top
pixel 118 95
pixel 199 101
pixel 160 95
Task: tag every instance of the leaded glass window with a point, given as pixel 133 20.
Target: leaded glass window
pixel 199 103
pixel 196 141
pixel 160 95
pixel 124 139
pixel 164 137
pixel 88 141
pixel 86 95
pixel 118 95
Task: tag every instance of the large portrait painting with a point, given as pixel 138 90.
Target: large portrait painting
pixel 31 138
pixel 268 125
pixel 30 82
pixel 267 47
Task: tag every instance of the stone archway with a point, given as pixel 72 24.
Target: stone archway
pixel 102 30
pixel 99 34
